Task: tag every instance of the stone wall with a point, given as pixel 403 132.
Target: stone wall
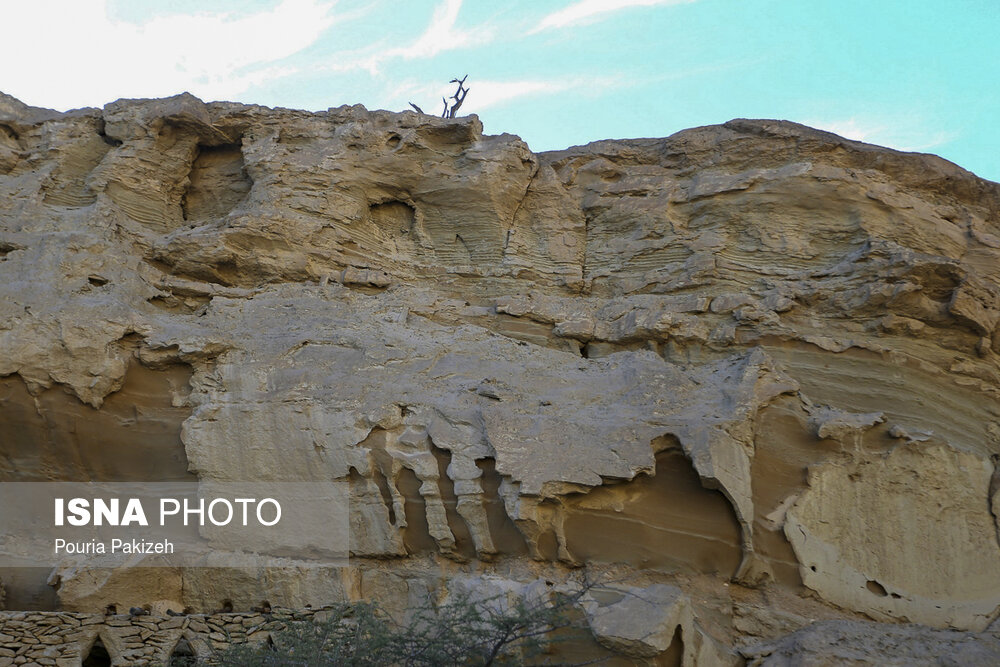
pixel 66 639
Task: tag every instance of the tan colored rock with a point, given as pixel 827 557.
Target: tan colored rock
pixel 906 536
pixel 623 356
pixel 93 589
pixel 830 643
pixel 650 622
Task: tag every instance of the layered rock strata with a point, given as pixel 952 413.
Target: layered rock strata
pixel 756 361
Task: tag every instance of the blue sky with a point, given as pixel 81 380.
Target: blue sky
pixel 921 75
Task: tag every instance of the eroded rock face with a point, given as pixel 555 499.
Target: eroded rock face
pixel 651 622
pixel 852 534
pixel 748 355
pixel 859 643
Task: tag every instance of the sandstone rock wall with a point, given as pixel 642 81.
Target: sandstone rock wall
pixel 755 360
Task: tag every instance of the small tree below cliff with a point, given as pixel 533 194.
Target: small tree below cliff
pixel 463 631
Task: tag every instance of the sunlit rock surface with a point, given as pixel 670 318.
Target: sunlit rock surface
pixel 753 368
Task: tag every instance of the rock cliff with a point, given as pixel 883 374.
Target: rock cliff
pixel 754 365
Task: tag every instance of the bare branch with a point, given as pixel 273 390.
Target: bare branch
pixel 450 110
pixel 458 100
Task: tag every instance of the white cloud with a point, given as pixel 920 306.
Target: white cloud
pixel 493 93
pixel 850 128
pixel 439 36
pixel 583 10
pixel 905 133
pixel 87 58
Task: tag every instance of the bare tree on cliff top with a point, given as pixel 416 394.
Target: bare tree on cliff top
pixel 458 97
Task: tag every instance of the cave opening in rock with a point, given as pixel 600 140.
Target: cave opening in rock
pixel 6 248
pixel 506 537
pixel 218 183
pixel 134 436
pixel 667 521
pixel 182 655
pixel 98 656
pixel 876 588
pixel 393 218
pixel 417 534
pixel 102 133
pixel 464 548
pixel 52 436
pixel 674 655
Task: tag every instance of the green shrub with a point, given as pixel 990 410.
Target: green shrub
pixel 354 634
pixel 462 631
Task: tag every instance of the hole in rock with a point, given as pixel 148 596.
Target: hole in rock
pixel 134 436
pixel 97 281
pixel 218 183
pixel 548 546
pixel 666 521
pixel 7 248
pixel 876 588
pixel 393 141
pixel 393 218
pixel 183 655
pixel 110 141
pixel 381 467
pixel 383 488
pixel 674 655
pixel 226 272
pixel 417 535
pixel 506 537
pixel 98 656
pixel 463 539
pixel 10 149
